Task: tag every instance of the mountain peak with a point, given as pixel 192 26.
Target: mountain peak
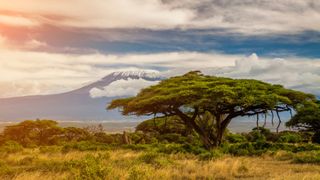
pixel 149 74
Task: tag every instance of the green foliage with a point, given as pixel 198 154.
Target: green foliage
pixel 11 147
pixel 91 167
pixel 172 138
pixel 290 137
pixel 155 159
pixel 307 157
pixel 162 125
pixel 137 174
pixel 50 149
pixel 307 118
pixel 75 134
pixel 104 138
pixel 256 136
pixel 85 146
pixel 235 138
pixel 171 148
pixel 39 132
pixel 283 155
pixel 210 155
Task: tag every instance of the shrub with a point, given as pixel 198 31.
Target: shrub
pixel 28 160
pixel 210 155
pixel 137 174
pixel 50 149
pixel 172 138
pixel 102 137
pixel 307 157
pixel 6 172
pixel 246 149
pixel 194 149
pixel 88 167
pixel 85 146
pixel 154 158
pixel 11 147
pixel 236 138
pixel 52 166
pixel 137 147
pixel 91 167
pixel 171 148
pixel 255 136
pixel 283 155
pixel 290 137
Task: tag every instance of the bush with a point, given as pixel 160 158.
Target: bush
pixel 137 174
pixel 84 146
pixel 154 158
pixel 283 155
pixel 102 137
pixel 91 167
pixel 194 149
pixel 290 137
pixel 246 149
pixel 171 148
pixel 50 149
pixel 11 147
pixel 172 138
pixel 88 167
pixel 5 171
pixel 307 157
pixel 28 160
pixel 256 135
pixel 236 138
pixel 210 155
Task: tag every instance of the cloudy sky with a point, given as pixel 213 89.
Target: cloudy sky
pixel 51 46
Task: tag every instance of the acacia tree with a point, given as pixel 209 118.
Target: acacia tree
pixel 207 104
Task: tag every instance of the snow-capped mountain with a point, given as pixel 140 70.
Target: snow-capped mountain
pixel 83 104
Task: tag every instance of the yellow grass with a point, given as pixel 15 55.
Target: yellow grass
pixel 125 164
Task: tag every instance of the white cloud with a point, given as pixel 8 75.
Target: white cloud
pixel 300 74
pixel 130 87
pixel 27 73
pixel 248 17
pixel 45 73
pixel 102 14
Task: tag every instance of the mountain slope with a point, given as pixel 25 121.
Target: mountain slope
pixel 74 105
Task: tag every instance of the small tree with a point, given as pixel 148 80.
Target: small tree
pixel 307 119
pixel 207 104
pixel 39 132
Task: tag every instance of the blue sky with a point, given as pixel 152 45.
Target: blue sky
pixel 55 46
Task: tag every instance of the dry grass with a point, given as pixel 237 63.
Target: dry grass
pixel 128 164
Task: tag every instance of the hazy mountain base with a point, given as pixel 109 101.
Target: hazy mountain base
pixel 131 163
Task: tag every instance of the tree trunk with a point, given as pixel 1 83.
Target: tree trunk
pixel 190 122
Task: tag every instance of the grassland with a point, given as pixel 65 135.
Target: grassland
pixel 126 163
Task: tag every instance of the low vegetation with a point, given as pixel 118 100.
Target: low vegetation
pixel 162 152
